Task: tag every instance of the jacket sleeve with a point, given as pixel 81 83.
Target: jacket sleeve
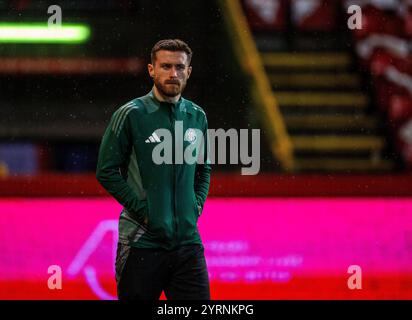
pixel 113 158
pixel 202 173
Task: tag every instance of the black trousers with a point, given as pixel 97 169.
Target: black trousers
pixel 142 274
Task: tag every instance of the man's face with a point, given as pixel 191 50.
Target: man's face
pixel 170 72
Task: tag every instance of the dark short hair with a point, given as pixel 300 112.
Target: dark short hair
pixel 171 45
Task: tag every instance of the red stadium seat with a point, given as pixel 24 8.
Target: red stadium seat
pixel 400 109
pixel 266 15
pixel 370 21
pixel 314 15
pixel 375 20
pixel 392 24
pixel 379 62
pixel 403 142
pixel 384 91
pixel 408 22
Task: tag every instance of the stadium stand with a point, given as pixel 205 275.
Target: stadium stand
pixel 342 98
pixel 384 52
pixel 321 93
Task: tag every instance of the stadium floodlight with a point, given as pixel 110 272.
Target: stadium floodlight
pixel 42 33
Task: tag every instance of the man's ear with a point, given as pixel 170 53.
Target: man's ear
pixel 189 71
pixel 150 69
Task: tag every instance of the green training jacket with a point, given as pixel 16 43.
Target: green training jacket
pixel 161 202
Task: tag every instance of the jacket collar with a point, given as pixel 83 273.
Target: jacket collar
pixel 182 104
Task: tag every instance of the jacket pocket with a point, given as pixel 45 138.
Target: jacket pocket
pixel 142 214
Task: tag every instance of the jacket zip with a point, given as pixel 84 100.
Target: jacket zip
pixel 172 123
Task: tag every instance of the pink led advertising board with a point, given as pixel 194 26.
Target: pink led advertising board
pixel 260 248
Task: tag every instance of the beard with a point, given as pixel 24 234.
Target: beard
pixel 170 90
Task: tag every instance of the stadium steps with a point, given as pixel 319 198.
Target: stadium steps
pixel 322 99
pixel 327 112
pixel 315 122
pixel 352 143
pixel 306 60
pixel 302 80
pixel 320 164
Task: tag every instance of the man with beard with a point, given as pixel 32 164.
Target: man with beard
pixel 159 246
